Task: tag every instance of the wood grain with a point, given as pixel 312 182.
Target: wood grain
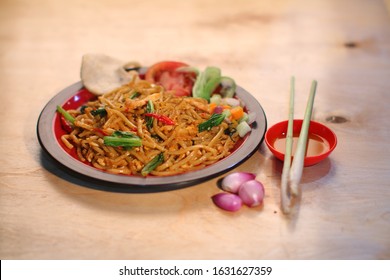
pixel 45 213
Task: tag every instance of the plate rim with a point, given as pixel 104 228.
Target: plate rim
pixel 49 143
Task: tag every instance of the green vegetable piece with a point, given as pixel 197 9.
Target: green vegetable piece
pixel 135 95
pixel 82 109
pixel 228 87
pixel 122 139
pixel 99 112
pixel 206 83
pixel 65 114
pixel 125 134
pixel 151 165
pixel 214 120
pixel 149 109
pixel 121 142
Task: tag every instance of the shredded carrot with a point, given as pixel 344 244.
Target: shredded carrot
pixel 237 112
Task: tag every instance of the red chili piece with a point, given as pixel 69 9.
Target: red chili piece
pixel 100 131
pixel 161 118
pixel 66 125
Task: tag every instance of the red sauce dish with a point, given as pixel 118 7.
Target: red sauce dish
pixel 321 140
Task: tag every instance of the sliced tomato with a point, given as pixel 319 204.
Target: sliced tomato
pixel 165 74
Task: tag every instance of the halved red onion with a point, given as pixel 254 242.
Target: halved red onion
pixel 251 193
pixel 232 182
pixel 227 201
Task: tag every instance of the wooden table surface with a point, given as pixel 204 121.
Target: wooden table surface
pixel 45 213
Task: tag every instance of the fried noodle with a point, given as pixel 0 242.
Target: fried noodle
pixel 184 147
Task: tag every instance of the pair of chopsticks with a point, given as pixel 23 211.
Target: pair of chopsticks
pixel 292 169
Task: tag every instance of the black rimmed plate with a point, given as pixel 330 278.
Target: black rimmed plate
pixel 49 131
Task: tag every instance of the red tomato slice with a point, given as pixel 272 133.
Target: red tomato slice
pixel 164 73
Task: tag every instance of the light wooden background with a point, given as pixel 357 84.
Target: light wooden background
pixel 344 44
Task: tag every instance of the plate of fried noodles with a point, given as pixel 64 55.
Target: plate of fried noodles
pixel 142 137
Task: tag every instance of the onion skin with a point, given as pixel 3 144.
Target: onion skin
pixel 227 201
pixel 232 182
pixel 251 193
